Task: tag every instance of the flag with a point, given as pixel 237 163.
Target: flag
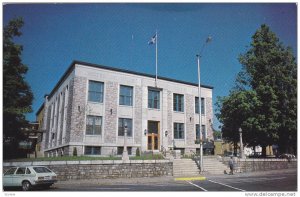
pixel 152 40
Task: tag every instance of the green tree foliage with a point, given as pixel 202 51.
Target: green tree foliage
pixel 17 95
pixel 270 71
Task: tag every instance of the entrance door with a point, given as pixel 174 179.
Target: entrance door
pixel 153 135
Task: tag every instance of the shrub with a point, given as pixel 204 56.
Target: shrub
pixel 137 152
pixel 74 151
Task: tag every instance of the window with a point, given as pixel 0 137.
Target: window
pixel 10 171
pixel 93 125
pixel 178 102
pixel 20 171
pixel 198 132
pixel 126 95
pixel 153 99
pixel 92 150
pixel 28 171
pixel 197 105
pixel 96 91
pixel 120 150
pixel 122 123
pixel 41 170
pixel 178 131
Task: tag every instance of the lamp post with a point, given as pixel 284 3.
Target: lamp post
pixel 125 156
pixel 241 143
pixel 199 104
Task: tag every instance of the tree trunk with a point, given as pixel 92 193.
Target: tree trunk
pixel 264 150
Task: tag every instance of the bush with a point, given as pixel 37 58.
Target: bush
pixel 137 152
pixel 74 151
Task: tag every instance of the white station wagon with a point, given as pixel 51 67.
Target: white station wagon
pixel 28 177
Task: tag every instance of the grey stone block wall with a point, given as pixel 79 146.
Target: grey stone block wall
pixel 68 170
pixel 169 118
pixel 110 120
pixel 190 121
pixel 209 118
pixel 78 109
pixel 138 130
pixel 69 111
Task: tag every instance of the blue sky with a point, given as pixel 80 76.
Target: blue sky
pixel 117 35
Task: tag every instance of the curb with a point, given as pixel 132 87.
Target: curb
pixel 201 178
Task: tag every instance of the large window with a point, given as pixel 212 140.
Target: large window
pixel 126 95
pixel 120 150
pixel 178 130
pixel 153 99
pixel 122 123
pixel 198 132
pixel 178 102
pixel 197 105
pixel 96 91
pixel 92 150
pixel 93 125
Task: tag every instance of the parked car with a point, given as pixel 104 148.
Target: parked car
pixel 28 177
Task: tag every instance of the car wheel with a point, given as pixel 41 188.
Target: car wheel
pixel 26 186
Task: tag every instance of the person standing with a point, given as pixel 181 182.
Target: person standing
pixel 230 163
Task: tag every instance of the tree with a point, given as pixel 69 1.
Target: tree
pixel 17 95
pixel 270 71
pixel 237 111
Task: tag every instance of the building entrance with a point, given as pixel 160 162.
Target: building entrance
pixel 153 135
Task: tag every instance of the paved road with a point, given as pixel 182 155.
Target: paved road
pixel 281 180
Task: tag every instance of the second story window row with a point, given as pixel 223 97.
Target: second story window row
pixel 178 102
pixel 126 95
pixel 153 99
pixel 96 90
pixel 197 105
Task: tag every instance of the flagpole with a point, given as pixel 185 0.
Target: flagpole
pixel 156 58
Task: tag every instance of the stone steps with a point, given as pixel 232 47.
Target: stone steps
pixel 185 167
pixel 212 165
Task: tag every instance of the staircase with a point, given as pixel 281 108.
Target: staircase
pixel 212 165
pixel 185 167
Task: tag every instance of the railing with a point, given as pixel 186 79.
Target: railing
pixel 196 158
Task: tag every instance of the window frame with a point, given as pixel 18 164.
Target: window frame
pixel 178 102
pixel 123 98
pixel 93 132
pixel 202 105
pixel 93 150
pixel 151 100
pixel 203 127
pixel 120 127
pixel 177 129
pixel 101 92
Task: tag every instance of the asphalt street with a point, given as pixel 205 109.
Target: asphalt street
pixel 280 180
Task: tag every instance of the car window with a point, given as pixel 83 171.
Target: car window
pixel 10 171
pixel 20 171
pixel 28 171
pixel 41 170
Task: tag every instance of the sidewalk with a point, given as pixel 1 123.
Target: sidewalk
pixel 149 180
pixel 245 174
pixel 143 180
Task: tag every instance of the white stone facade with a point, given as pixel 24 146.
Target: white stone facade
pixel 67 108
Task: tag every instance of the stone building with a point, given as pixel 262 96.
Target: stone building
pixel 90 105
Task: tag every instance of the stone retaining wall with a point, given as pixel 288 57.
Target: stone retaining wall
pixel 102 169
pixel 251 165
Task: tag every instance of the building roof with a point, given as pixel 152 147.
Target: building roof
pixel 72 66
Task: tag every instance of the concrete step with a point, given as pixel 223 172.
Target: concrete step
pixel 184 167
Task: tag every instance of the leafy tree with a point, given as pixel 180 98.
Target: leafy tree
pixel 237 111
pixel 17 95
pixel 270 71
